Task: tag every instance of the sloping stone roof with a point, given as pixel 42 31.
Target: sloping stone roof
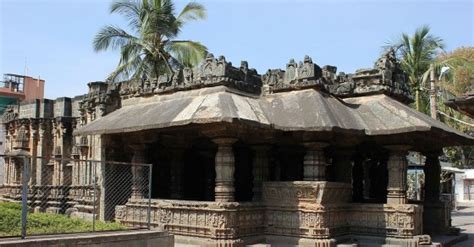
pixel 299 110
pixel 463 104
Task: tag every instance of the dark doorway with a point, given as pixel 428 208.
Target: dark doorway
pixel 243 172
pixel 199 171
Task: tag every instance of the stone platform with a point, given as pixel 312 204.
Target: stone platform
pixel 95 239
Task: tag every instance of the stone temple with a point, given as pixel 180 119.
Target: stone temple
pixel 301 156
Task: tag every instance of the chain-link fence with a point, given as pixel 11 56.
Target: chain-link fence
pixel 56 195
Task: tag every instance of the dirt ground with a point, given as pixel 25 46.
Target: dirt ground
pixel 464 219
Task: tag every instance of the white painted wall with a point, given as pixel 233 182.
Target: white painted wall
pixel 459 186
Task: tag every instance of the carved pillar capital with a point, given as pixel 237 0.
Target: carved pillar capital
pixel 397 166
pixel 315 145
pixel 225 167
pixel 314 166
pixel 224 141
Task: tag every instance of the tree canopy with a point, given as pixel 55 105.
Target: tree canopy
pixel 151 47
pixel 416 53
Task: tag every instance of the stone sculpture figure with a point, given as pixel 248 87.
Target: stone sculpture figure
pixel 291 72
pixel 163 81
pixel 329 73
pixel 273 77
pixel 387 65
pixel 306 69
pixel 220 67
pixel 177 79
pixel 187 76
pixel 207 67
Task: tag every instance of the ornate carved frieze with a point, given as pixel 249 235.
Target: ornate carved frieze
pixel 213 71
pixel 386 77
pixel 214 220
pixel 303 75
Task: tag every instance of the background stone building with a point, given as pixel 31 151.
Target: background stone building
pixel 297 156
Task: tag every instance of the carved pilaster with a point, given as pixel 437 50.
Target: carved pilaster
pixel 225 167
pixel 397 175
pixel 432 170
pixel 314 166
pixel 138 179
pixel 33 150
pixel 260 170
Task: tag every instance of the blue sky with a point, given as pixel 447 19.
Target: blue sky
pixel 54 37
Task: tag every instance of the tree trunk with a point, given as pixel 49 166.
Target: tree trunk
pixel 417 99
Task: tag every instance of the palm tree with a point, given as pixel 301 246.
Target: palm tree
pixel 151 48
pixel 417 53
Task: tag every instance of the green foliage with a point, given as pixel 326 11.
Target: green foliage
pixel 416 53
pixel 46 223
pixel 151 48
pixel 457 82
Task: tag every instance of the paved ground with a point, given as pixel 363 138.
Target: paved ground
pixel 464 219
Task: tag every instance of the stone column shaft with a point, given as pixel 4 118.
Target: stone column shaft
pixel 432 170
pixel 397 175
pixel 314 165
pixel 260 170
pixel 225 168
pixel 138 180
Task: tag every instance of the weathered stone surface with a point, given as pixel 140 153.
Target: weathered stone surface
pixel 308 110
pixel 386 77
pixel 221 111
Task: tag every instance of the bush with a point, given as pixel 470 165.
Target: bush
pixel 46 223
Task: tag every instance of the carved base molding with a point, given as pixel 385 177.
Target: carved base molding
pixel 214 220
pixel 309 212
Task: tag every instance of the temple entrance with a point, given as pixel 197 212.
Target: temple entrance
pixel 370 175
pixel 243 172
pixel 199 171
pixel 287 164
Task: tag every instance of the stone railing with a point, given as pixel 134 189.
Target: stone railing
pixel 392 220
pixel 215 220
pixel 306 208
pixel 11 191
pixel 314 211
pixel 323 210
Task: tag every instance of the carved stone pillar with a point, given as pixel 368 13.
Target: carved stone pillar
pixel 33 151
pixel 342 162
pixel 41 152
pixel 260 170
pixel 397 166
pixel 432 170
pixel 314 164
pixel 138 179
pixel 225 167
pixel 436 213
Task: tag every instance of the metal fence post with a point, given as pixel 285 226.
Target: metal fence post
pixel 95 192
pixel 24 196
pixel 149 196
